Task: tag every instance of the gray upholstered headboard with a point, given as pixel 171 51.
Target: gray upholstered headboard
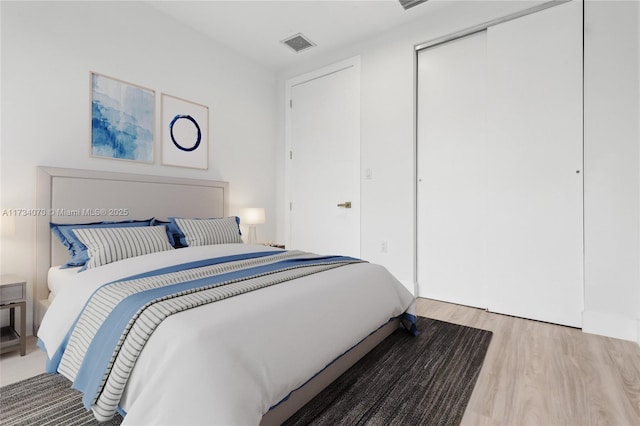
pixel 83 196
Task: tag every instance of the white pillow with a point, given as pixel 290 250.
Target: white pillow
pixel 106 245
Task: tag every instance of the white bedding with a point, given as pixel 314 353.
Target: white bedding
pixel 230 361
pixel 57 278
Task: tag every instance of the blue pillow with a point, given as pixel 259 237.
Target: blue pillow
pixel 77 250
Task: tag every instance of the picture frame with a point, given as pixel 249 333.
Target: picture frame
pixel 185 133
pixel 123 117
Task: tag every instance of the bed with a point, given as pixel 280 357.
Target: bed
pixel 269 330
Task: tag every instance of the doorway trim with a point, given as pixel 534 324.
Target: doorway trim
pixel 483 26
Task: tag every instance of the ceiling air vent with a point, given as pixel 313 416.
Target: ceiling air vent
pixel 408 4
pixel 298 42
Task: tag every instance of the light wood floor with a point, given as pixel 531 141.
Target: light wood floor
pixel 542 374
pixel 535 373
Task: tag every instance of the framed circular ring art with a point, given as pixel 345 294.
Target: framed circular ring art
pixel 185 133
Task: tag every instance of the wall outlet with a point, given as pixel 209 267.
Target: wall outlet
pixel 383 247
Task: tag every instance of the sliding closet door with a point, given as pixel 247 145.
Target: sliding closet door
pixel 535 136
pixel 500 168
pixel 452 162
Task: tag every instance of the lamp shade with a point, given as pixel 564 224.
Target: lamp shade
pixel 252 216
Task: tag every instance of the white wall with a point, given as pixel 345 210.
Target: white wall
pixel 612 161
pixel 612 173
pixel 48 51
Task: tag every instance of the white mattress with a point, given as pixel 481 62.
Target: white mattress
pixel 58 278
pixel 230 361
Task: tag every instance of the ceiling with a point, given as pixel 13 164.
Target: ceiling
pixel 256 28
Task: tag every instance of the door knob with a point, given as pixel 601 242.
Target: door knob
pixel 346 205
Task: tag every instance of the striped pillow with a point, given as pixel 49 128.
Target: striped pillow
pixel 77 250
pixel 106 245
pixel 205 232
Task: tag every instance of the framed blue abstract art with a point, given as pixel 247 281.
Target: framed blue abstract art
pixel 122 120
pixel 185 133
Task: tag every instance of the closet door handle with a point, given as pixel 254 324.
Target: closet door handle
pixel 346 205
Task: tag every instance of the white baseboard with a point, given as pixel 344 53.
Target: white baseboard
pixel 611 325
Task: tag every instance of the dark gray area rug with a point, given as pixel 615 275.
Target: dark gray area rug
pixel 406 380
pixel 46 399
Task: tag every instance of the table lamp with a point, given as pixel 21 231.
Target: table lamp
pixel 252 216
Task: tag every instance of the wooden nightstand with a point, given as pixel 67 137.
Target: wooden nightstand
pixel 13 294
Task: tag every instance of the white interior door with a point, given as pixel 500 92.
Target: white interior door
pixel 325 163
pixel 452 163
pixel 500 201
pixel 535 116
